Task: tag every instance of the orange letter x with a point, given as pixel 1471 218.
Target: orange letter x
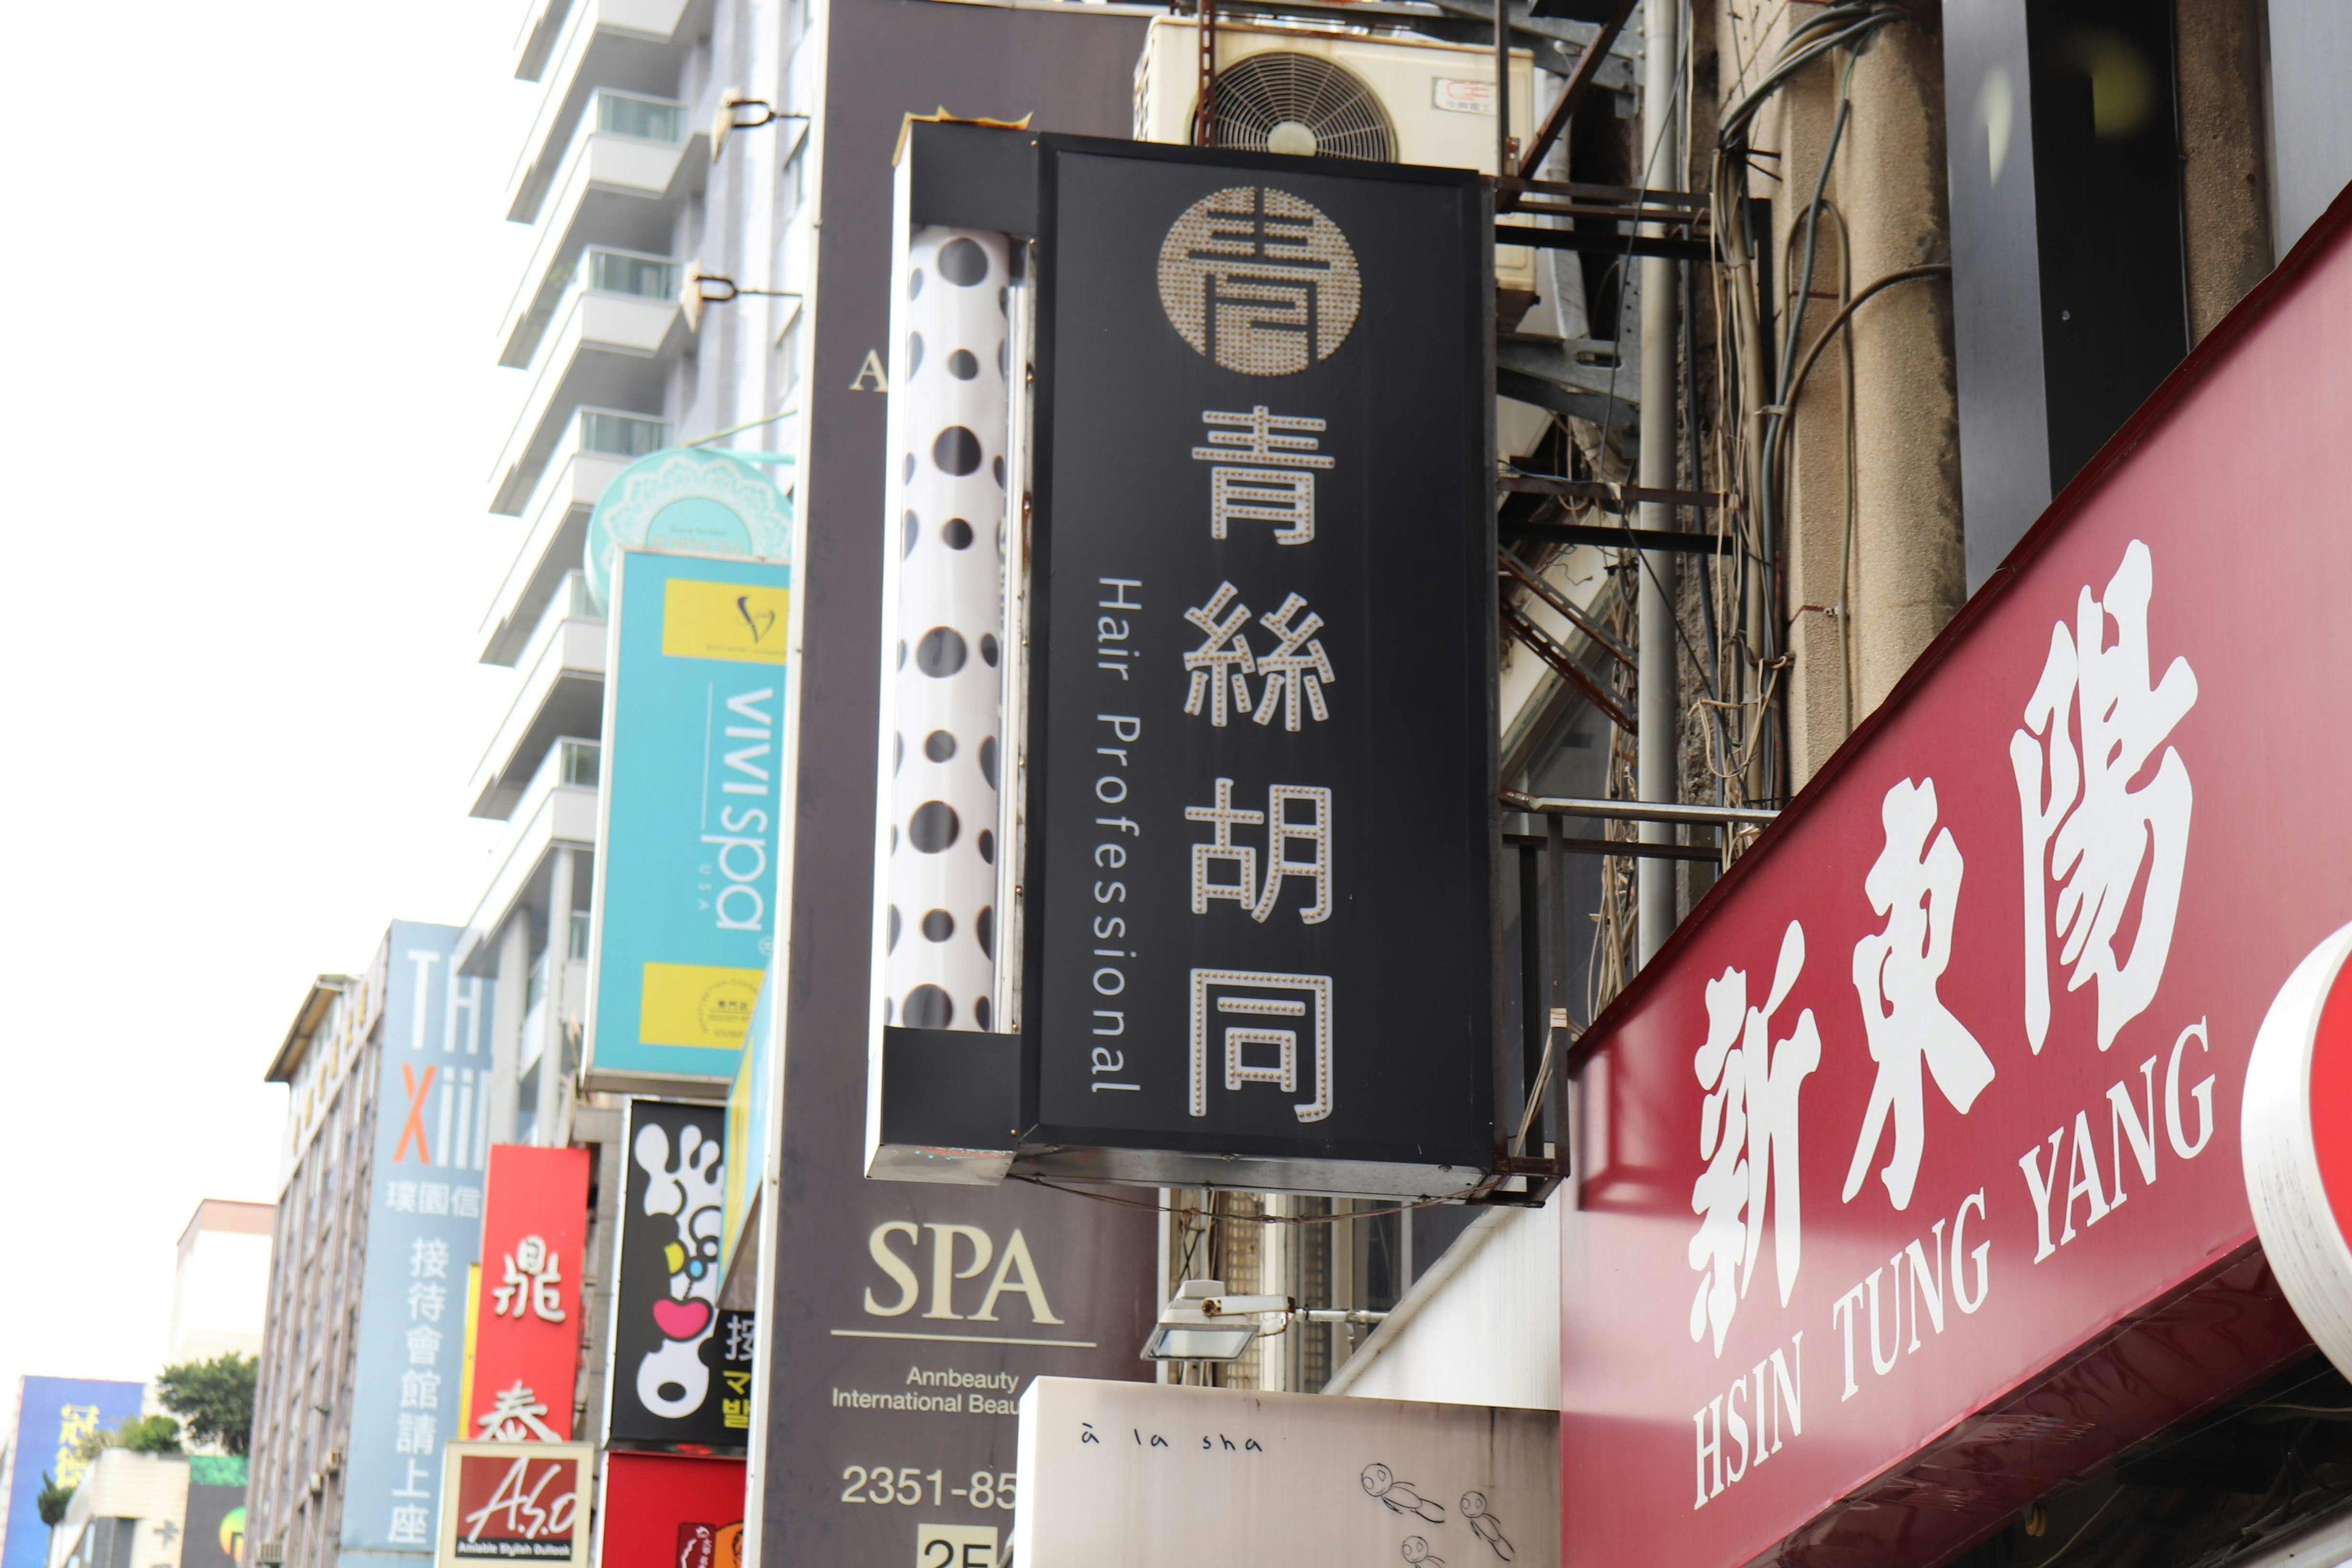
pixel 415 1126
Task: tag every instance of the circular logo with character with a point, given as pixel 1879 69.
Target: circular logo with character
pixel 1259 281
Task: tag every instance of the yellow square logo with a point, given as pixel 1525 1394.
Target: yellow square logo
pixel 697 1004
pixel 724 620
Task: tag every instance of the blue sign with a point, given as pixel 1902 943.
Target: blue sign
pixel 751 1114
pixel 691 818
pixel 424 1230
pixel 53 1415
pixel 687 498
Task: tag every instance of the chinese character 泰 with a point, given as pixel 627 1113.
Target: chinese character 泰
pixel 514 1417
pixel 1261 475
pixel 2094 830
pixel 428 1258
pixel 1275 1010
pixel 1282 829
pixel 533 1283
pixel 1747 1135
pixel 1916 886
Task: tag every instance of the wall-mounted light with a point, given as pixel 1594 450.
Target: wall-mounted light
pixel 1205 1323
pixel 737 112
pixel 702 289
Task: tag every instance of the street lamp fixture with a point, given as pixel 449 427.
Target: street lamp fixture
pixel 1204 1323
pixel 737 112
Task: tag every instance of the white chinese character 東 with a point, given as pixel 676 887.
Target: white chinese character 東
pixel 1259 457
pixel 1916 886
pixel 2091 827
pixel 1748 1134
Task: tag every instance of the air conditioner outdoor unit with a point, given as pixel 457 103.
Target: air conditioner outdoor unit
pixel 1291 89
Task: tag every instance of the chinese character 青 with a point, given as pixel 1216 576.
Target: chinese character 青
pixel 1917 886
pixel 1284 829
pixel 533 1282
pixel 2089 827
pixel 1256 1010
pixel 1747 1135
pixel 1265 471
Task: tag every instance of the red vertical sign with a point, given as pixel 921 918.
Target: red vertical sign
pixel 660 1508
pixel 527 1343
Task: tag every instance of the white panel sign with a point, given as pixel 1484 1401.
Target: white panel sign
pixel 1155 1476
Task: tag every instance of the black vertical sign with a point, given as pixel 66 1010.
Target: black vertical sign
pixel 1261 747
pixel 681 1374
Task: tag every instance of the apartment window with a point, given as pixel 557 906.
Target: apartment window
pixel 648 118
pixel 621 435
pixel 579 762
pixel 618 272
pixel 579 948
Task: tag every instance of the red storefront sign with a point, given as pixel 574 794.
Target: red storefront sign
pixel 660 1509
pixel 1909 1174
pixel 527 1319
pixel 515 1502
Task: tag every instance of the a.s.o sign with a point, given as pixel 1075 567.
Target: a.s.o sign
pixel 2295 1132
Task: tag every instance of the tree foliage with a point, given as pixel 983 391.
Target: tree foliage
pixel 52 1500
pixel 214 1397
pixel 140 1435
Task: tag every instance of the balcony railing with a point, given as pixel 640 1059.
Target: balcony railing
pixel 634 114
pixel 599 269
pixel 612 435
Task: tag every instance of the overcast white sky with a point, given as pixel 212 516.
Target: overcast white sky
pixel 256 258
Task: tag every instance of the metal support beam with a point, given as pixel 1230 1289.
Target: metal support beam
pixel 1636 811
pixel 1588 67
pixel 1613 536
pixel 1646 244
pixel 1657 758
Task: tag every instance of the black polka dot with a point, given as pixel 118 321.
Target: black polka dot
pixel 962 263
pixel 910 467
pixel 940 653
pixel 937 926
pixel 938 745
pixel 1004 299
pixel 996 468
pixel 988 649
pixel 1005 360
pixel 893 942
pixel 897 753
pixel 987 846
pixel 914 282
pixel 914 354
pixel 979 1012
pixel 985 926
pixel 957 533
pixel 902 653
pixel 956 451
pixel 888 1010
pixel 933 827
pixel 963 365
pixel 914 531
pixel 929 1007
pixel 988 761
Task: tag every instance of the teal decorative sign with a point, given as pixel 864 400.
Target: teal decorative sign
pixel 687 498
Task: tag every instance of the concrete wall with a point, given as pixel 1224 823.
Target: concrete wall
pixel 1481 1327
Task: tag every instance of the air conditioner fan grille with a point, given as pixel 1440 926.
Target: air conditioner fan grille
pixel 1257 95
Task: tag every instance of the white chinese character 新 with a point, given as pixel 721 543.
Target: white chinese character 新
pixel 1747 1135
pixel 1297 666
pixel 410 1526
pixel 2091 827
pixel 400 1197
pixel 426 1299
pixel 741 1330
pixel 428 1258
pixel 433 1198
pixel 423 1345
pixel 514 1417
pixel 1223 662
pixel 1916 885
pixel 420 1390
pixel 1259 457
pixel 416 1434
pixel 1278 1008
pixel 1284 829
pixel 465 1202
pixel 533 1283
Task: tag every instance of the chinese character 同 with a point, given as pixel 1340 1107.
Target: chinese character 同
pixel 1258 478
pixel 533 1283
pixel 514 1417
pixel 1276 1009
pixel 1282 830
pixel 1916 886
pixel 1747 1135
pixel 2094 830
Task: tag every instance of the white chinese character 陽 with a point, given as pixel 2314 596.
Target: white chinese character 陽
pixel 1284 829
pixel 1748 1134
pixel 533 1283
pixel 1916 886
pixel 423 1345
pixel 2089 827
pixel 420 1390
pixel 1220 667
pixel 1280 1010
pixel 428 1258
pixel 514 1417
pixel 1261 476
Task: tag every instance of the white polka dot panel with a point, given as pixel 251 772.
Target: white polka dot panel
pixel 949 423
